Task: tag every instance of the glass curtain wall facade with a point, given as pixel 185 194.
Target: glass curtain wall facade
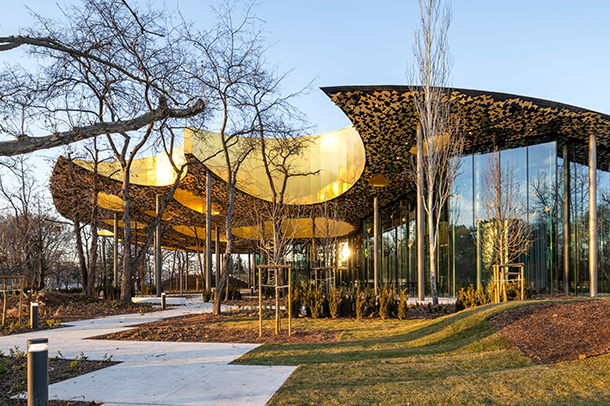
pixel 464 257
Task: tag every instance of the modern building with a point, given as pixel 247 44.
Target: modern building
pixel 559 155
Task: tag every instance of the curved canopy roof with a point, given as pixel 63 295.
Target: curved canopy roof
pixel 352 162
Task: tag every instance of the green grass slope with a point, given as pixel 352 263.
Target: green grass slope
pixel 459 359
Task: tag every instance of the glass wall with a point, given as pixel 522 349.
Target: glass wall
pixel 464 257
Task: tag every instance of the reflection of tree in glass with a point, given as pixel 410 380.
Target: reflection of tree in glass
pixel 507 235
pixel 603 235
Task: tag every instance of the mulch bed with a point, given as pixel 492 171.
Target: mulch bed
pixel 55 308
pixel 204 328
pixel 555 332
pixel 13 373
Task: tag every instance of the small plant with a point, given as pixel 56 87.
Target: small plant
pixel 73 367
pixel 107 358
pixel 403 305
pixel 207 295
pixel 16 353
pixel 3 367
pixel 52 323
pixel 17 388
pixel 13 327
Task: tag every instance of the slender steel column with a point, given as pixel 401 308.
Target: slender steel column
pixel 208 231
pixel 250 270
pixel 181 272
pixel 158 251
pixel 376 244
pixel 115 251
pixel 566 220
pixel 421 271
pixel 217 255
pixel 592 215
pixel 479 256
pixel 186 266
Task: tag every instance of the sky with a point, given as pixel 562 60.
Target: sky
pixel 550 49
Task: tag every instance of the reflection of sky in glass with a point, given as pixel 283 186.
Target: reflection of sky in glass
pixel 461 197
pixel 481 162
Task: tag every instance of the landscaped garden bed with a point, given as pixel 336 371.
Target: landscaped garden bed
pixel 13 375
pixel 55 308
pixel 558 331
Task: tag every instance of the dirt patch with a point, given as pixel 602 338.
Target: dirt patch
pixel 13 373
pixel 206 328
pixel 555 332
pixel 55 308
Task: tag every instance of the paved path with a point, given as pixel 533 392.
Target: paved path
pixel 156 373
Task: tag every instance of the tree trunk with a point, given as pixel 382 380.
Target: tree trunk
pixel 432 241
pixel 126 280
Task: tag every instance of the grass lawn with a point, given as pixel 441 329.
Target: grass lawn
pixel 459 359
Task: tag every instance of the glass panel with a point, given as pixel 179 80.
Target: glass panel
pixel 579 213
pixel 603 234
pixel 542 216
pixel 463 268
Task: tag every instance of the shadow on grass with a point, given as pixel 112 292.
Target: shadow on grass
pixel 459 331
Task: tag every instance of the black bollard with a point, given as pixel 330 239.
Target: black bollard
pixel 163 300
pixel 34 316
pixel 38 372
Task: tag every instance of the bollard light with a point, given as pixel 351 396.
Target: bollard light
pixel 163 300
pixel 34 315
pixel 38 372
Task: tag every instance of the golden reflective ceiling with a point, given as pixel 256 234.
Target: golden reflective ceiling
pixel 352 160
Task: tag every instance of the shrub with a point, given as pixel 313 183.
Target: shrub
pixel 234 293
pixel 207 295
pixel 403 306
pixel 109 291
pixel 365 302
pixel 296 301
pixel 314 302
pixel 335 300
pixel 387 302
pixel 149 290
pixel 347 305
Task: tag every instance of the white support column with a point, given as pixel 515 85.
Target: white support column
pixel 421 271
pixel 158 250
pixel 217 255
pixel 208 231
pixel 592 215
pixel 566 220
pixel 115 251
pixel 376 244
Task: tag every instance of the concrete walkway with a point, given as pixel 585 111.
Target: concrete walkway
pixel 156 373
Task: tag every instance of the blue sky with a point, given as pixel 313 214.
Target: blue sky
pixel 557 50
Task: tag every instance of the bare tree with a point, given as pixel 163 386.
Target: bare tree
pixel 442 143
pixel 505 208
pixel 122 49
pixel 231 55
pixel 327 229
pixel 31 236
pixel 109 69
